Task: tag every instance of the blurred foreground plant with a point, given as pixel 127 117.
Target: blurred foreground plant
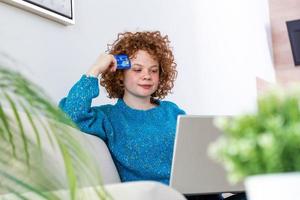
pixel 24 165
pixel 267 141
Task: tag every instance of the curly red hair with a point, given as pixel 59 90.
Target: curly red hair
pixel 153 43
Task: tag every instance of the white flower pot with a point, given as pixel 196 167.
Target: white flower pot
pixel 281 186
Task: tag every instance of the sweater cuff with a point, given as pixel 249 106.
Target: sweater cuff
pixel 89 85
pixel 89 76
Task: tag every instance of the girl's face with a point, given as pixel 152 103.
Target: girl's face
pixel 142 79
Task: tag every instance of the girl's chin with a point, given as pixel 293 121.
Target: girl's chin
pixel 141 93
pixel 144 94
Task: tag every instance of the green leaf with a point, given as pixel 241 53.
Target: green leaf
pixel 24 166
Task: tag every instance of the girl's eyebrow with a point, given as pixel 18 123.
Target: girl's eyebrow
pixel 140 65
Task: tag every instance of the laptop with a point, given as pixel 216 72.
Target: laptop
pixel 193 171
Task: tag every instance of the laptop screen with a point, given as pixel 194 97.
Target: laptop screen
pixel 193 171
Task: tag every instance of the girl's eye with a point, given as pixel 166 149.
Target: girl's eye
pixel 137 70
pixel 154 70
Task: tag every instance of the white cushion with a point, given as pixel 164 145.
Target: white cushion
pixel 99 151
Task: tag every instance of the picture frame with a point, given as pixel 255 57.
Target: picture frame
pixel 293 28
pixel 61 11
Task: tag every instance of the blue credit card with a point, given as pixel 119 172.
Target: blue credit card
pixel 123 61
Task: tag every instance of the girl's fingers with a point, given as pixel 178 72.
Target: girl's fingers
pixel 114 64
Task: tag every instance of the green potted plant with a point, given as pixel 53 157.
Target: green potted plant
pixel 263 147
pixel 24 166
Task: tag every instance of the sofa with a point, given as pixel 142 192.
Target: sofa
pixel 102 160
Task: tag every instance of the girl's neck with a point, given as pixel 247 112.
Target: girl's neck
pixel 138 103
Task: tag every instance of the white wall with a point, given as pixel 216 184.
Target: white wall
pixel 220 46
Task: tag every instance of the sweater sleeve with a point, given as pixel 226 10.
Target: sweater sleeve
pixel 77 105
pixel 177 111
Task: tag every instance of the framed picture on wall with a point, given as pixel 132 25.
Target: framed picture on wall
pixel 294 36
pixel 61 11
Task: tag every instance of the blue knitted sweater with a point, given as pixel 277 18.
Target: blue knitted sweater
pixel 140 141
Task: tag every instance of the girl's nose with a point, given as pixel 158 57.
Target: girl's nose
pixel 147 75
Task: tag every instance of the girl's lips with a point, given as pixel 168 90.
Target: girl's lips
pixel 146 86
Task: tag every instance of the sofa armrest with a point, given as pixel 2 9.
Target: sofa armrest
pixel 145 190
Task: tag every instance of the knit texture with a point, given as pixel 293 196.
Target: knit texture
pixel 140 141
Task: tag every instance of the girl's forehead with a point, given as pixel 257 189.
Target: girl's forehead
pixel 143 57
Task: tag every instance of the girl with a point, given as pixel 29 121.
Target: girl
pixel 140 128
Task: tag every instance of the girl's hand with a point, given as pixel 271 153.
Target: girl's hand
pixel 103 63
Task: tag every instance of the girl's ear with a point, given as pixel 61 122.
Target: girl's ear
pixel 121 79
pixel 161 69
